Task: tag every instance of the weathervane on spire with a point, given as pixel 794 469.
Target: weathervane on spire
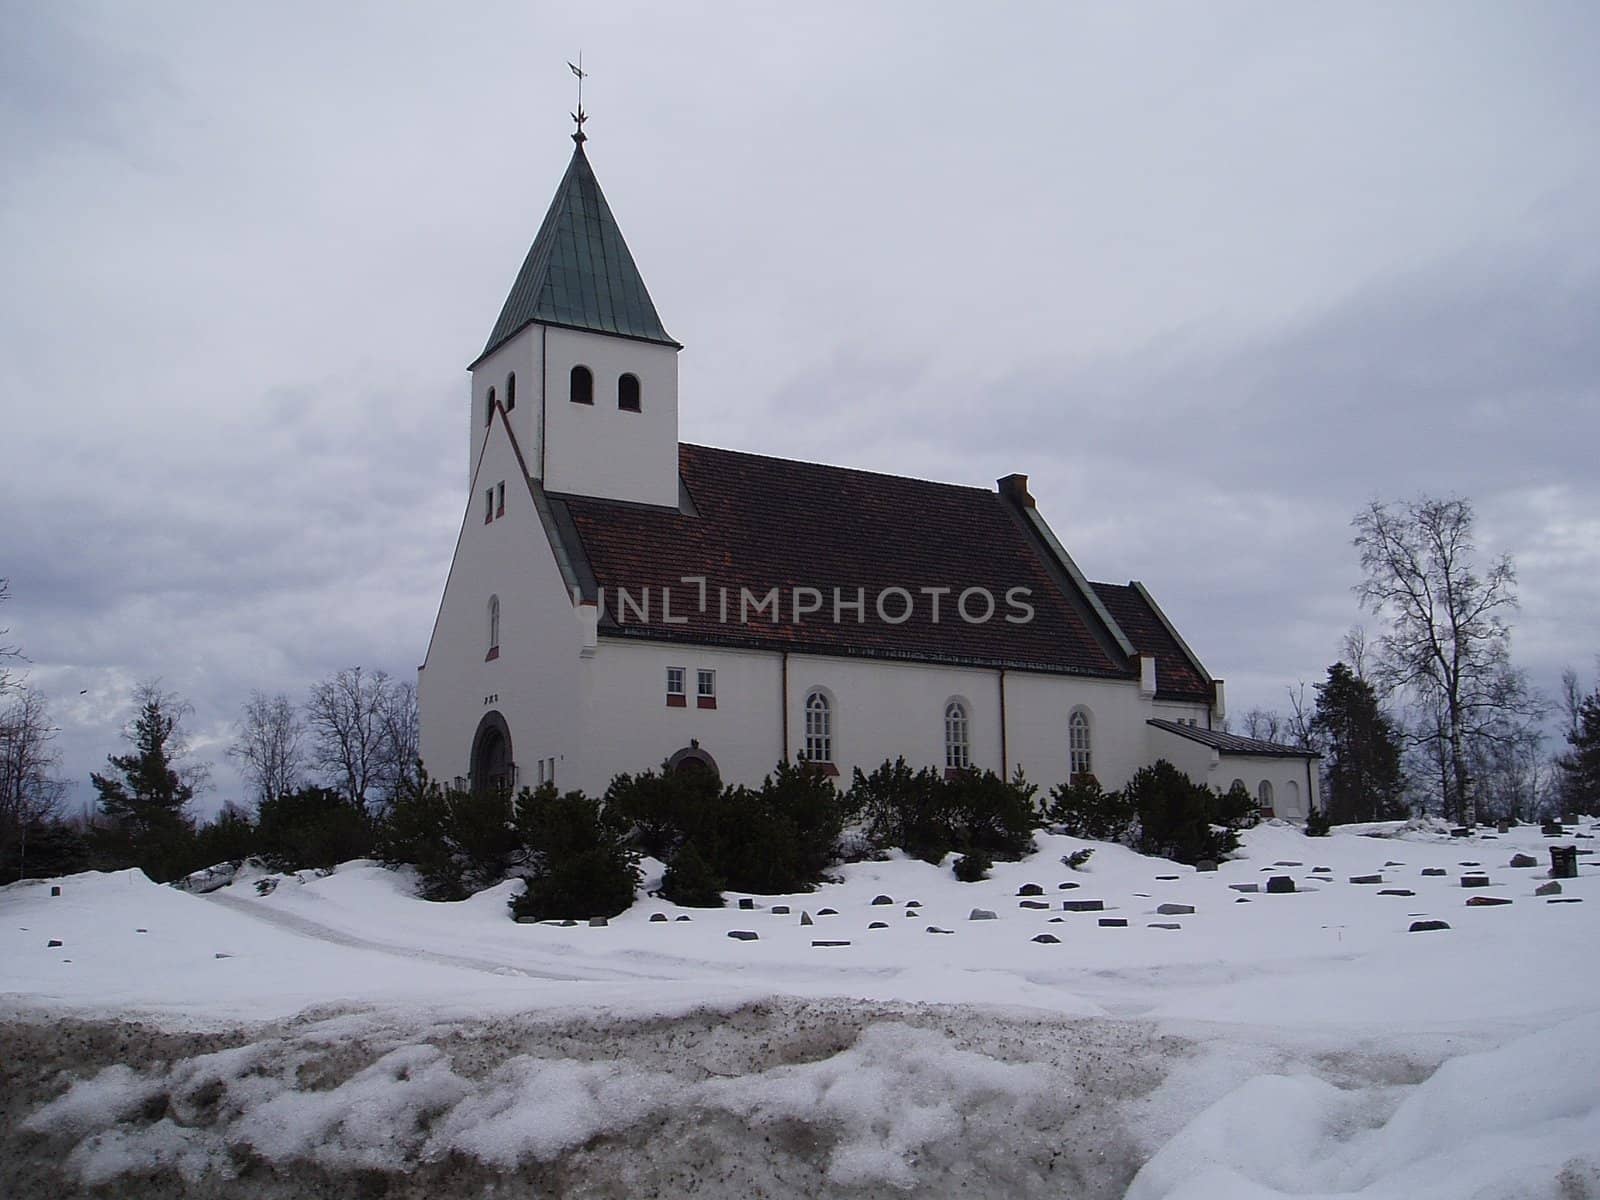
pixel 580 116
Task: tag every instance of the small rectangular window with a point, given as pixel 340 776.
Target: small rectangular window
pixel 500 498
pixel 675 693
pixel 488 506
pixel 706 689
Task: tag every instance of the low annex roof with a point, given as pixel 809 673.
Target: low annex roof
pixel 752 523
pixel 1231 743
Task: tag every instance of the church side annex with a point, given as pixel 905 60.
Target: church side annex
pixel 617 599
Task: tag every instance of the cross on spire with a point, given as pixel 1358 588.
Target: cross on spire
pixel 580 116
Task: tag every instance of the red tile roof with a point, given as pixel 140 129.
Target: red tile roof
pixel 762 523
pixel 1176 675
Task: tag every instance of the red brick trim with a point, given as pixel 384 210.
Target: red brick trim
pixel 501 510
pixel 494 653
pixel 827 768
pixel 677 701
pixel 705 701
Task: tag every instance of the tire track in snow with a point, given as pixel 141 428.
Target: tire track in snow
pixel 305 927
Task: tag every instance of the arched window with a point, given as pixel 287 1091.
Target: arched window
pixel 628 393
pixel 1238 786
pixel 494 629
pixel 1264 795
pixel 1082 761
pixel 957 750
pixel 582 385
pixel 511 391
pixel 1291 797
pixel 819 729
pixel 488 408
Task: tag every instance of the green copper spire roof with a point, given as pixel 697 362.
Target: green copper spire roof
pixel 578 272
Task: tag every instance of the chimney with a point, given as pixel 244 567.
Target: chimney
pixel 1147 674
pixel 1219 706
pixel 1014 488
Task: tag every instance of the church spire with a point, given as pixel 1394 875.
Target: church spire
pixel 579 273
pixel 579 116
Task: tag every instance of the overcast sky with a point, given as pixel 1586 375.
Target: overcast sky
pixel 1212 275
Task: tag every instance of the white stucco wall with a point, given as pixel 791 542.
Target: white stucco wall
pixel 522 355
pixel 535 682
pixel 1291 795
pixel 598 449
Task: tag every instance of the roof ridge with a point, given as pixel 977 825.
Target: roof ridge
pixel 821 466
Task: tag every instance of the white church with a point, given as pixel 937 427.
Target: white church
pixel 619 599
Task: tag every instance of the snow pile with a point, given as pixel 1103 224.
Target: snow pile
pixel 1516 1121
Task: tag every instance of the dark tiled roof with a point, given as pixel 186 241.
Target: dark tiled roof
pixel 759 523
pixel 1231 743
pixel 1176 675
pixel 578 272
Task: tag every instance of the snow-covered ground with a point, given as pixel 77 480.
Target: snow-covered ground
pixel 1267 1045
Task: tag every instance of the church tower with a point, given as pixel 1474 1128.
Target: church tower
pixel 579 361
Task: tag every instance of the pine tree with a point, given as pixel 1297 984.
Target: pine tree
pixel 151 794
pixel 1580 767
pixel 1362 762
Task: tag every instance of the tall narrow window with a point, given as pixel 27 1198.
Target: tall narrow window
pixel 511 391
pixel 819 729
pixel 1264 795
pixel 705 695
pixel 1082 761
pixel 488 506
pixel 500 498
pixel 628 393
pixel 488 408
pixel 957 751
pixel 582 385
pixel 676 697
pixel 494 629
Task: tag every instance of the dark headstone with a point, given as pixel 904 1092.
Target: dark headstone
pixel 913 903
pixel 1392 863
pixel 1548 889
pixel 1397 892
pixel 1284 862
pixel 1434 871
pixel 1241 899
pixel 1322 870
pixel 567 924
pixel 805 919
pixel 1030 889
pixel 879 925
pixel 746 903
pixel 981 914
pixel 827 912
pixel 1366 879
pixel 1280 883
pixel 598 922
pixel 1174 910
pixel 883 899
pixel 1083 905
pixel 683 917
pixel 1205 864
pixel 1247 887
pixel 1466 863
pixel 1563 862
pixel 1461 832
pixel 52 942
pixel 1066 887
pixel 1487 901
pixel 1428 926
pixel 936 929
pixel 662 917
pixel 1033 904
pixel 1113 922
pixel 55 889
pixel 1558 888
pixel 830 943
pixel 1523 860
pixel 1165 925
pixel 1565 900
pixel 1551 829
pixel 911 912
pixel 221 954
pixel 744 935
pixel 1047 939
pixel 1474 881
pixel 779 910
pixel 1166 877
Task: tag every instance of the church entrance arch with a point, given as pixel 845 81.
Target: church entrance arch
pixel 493 768
pixel 693 758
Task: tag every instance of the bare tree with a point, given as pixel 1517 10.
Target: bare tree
pixel 401 738
pixel 30 794
pixel 358 723
pixel 269 745
pixel 1262 724
pixel 1448 644
pixel 1356 652
pixel 8 652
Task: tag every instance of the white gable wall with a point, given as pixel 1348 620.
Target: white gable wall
pixel 522 355
pixel 534 683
